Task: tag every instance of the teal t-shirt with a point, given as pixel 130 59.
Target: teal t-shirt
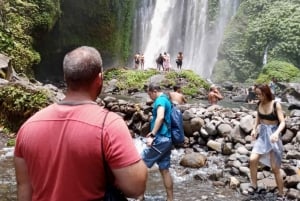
pixel 162 101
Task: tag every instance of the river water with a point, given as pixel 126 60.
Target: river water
pixel 189 184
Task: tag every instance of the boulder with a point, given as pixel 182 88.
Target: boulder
pixel 193 160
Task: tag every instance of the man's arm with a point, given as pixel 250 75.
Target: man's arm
pixel 159 119
pixel 23 181
pixel 184 99
pixel 218 95
pixel 132 179
pixel 130 172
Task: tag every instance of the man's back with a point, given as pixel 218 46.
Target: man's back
pixel 177 98
pixel 62 148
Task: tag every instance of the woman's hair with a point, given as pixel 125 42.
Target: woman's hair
pixel 266 91
pixel 81 66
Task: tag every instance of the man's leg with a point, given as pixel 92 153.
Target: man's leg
pixel 168 183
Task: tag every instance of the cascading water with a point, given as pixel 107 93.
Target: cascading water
pixel 181 25
pixel 265 58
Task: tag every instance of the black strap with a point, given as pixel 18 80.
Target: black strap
pixel 275 109
pixel 105 165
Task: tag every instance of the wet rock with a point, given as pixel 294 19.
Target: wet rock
pixel 293 194
pixel 298 137
pixel 215 176
pixel 224 129
pixel 246 123
pixel 211 128
pixel 187 115
pixel 244 171
pixel 293 154
pixel 288 136
pixel 193 160
pixel 292 181
pixel 219 183
pixel 242 150
pixel 289 169
pixel 234 183
pixel 268 183
pixel 217 146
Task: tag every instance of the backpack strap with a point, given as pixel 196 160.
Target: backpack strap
pixel 274 107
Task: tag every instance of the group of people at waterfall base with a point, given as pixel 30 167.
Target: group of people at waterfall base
pixel 163 61
pixel 63 152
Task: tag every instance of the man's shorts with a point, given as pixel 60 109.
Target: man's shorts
pixel 151 156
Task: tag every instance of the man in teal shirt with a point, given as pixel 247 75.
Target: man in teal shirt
pixel 160 137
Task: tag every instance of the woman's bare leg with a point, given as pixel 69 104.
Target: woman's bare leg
pixel 253 168
pixel 277 174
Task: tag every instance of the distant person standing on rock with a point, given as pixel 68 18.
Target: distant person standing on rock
pixel 142 60
pixel 214 95
pixel 136 60
pixel 166 62
pixel 159 61
pixel 179 60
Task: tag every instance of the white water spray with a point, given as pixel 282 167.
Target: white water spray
pixel 181 25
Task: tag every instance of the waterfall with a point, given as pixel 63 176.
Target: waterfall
pixel 265 58
pixel 181 26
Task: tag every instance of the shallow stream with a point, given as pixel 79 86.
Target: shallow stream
pixel 189 184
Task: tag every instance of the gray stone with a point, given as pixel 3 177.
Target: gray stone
pixel 292 181
pixel 246 123
pixel 193 160
pixel 224 129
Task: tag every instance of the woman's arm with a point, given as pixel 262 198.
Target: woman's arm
pixel 275 135
pixel 254 130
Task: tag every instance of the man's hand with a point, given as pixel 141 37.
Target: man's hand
pixel 150 139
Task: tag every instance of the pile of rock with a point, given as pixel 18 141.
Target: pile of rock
pixel 224 131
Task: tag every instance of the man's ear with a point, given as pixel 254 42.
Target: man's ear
pixel 99 79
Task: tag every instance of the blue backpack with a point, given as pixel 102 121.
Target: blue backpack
pixel 176 126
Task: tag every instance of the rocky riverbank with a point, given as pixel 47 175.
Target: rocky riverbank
pixel 214 131
pixel 223 131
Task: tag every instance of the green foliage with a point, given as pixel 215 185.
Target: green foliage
pixel 19 20
pixel 194 81
pixel 280 70
pixel 137 79
pixel 124 11
pixel 193 78
pixel 129 78
pixel 222 72
pixel 105 25
pixel 18 103
pixel 259 26
pixel 11 142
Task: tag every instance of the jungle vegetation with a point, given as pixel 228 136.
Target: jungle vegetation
pixel 260 28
